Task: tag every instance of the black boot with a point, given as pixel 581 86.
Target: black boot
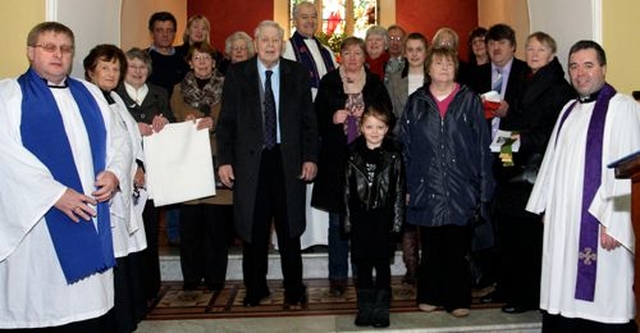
pixel 381 308
pixel 366 297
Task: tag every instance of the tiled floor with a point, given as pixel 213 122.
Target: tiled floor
pixel 480 320
pixel 486 320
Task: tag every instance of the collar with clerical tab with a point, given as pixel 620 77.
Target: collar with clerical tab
pixel 61 85
pixel 589 98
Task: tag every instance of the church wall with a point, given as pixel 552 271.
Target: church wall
pixel 512 12
pixel 618 22
pixel 620 30
pixel 17 17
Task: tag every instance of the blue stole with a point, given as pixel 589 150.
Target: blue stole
pixel 81 249
pixel 589 224
pixel 304 56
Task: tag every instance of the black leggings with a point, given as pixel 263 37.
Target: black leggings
pixel 365 274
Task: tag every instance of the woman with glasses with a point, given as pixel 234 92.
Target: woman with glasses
pixel 448 163
pixel 237 47
pixel 149 106
pixel 448 38
pixel 204 223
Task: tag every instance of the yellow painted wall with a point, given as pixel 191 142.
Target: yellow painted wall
pixel 515 13
pixel 17 17
pixel 135 20
pixel 620 33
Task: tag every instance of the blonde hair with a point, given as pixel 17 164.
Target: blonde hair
pixel 446 31
pixel 192 20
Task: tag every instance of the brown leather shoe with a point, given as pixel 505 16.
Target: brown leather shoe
pixel 460 313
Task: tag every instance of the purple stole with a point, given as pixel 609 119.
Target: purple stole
pixel 304 56
pixel 82 249
pixel 589 225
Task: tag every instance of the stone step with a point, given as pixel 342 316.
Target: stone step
pixel 315 265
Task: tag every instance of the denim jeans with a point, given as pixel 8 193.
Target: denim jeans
pixel 172 215
pixel 338 250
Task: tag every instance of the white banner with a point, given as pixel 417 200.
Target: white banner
pixel 178 164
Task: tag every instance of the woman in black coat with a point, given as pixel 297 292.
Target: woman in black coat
pixel 545 92
pixel 343 95
pixel 446 151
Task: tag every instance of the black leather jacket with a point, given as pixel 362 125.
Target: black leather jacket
pixel 385 193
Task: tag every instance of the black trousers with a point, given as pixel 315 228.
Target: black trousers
pixel 271 207
pixel 560 324
pixel 150 258
pixel 204 247
pixel 521 258
pixel 443 275
pixel 129 302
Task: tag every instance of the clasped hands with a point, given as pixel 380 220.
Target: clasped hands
pixel 79 206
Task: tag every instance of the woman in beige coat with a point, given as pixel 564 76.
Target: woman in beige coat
pixel 205 224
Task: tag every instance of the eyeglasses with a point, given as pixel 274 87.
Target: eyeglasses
pixel 202 57
pixel 239 48
pixel 137 68
pixel 396 38
pixel 52 48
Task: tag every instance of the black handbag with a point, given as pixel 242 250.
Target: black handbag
pixel 529 172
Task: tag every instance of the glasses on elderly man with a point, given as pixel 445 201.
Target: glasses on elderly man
pixel 396 38
pixel 52 48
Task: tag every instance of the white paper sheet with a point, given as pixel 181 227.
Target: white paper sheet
pixel 178 164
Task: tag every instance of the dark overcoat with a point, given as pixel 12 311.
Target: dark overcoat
pixel 240 138
pixel 155 103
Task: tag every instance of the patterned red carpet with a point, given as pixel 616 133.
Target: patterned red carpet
pixel 174 303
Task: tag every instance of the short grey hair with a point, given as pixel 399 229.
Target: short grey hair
pixel 137 53
pixel 239 35
pixel 297 7
pixel 379 31
pixel 268 24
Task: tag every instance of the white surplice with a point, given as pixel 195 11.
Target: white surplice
pixel 312 46
pixel 127 224
pixel 558 193
pixel 33 289
pixel 317 230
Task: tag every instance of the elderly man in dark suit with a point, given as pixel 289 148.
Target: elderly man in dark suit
pixel 267 146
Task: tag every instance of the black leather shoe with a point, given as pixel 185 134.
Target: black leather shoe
pixel 298 302
pixel 253 298
pixel 337 287
pixel 493 297
pixel 513 309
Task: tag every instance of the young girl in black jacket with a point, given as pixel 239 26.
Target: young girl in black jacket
pixel 374 199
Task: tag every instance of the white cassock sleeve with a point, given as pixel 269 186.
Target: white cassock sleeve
pixel 612 203
pixel 26 182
